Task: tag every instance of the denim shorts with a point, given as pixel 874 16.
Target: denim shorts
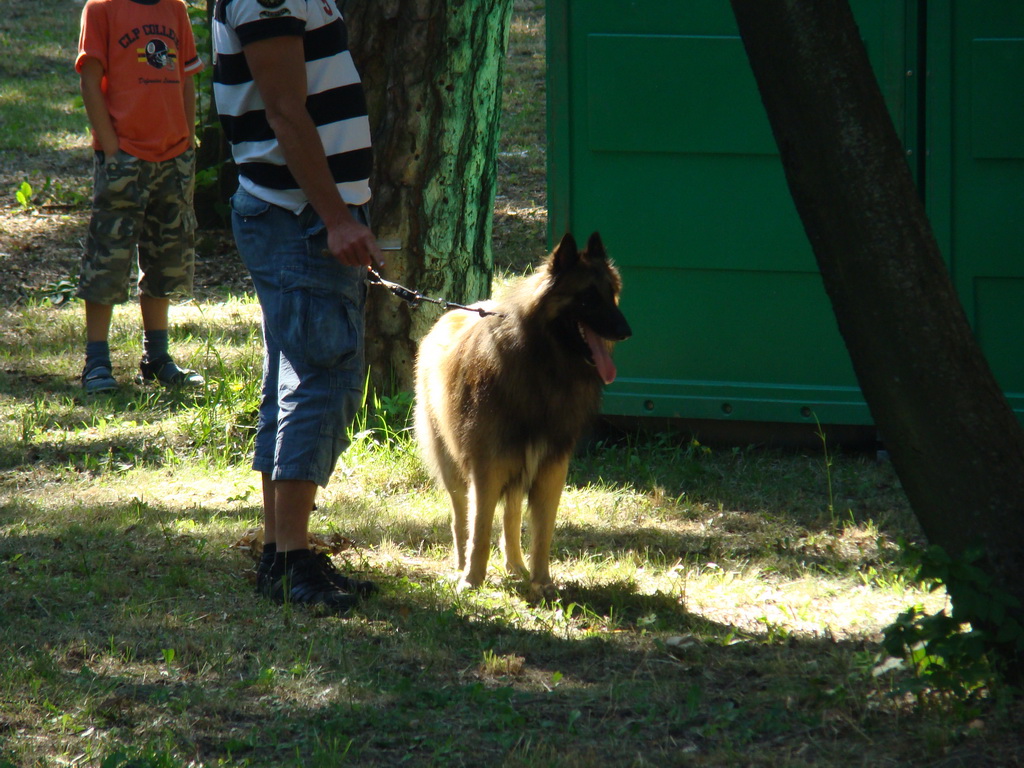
pixel 313 329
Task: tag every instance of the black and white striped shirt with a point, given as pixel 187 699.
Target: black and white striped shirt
pixel 335 97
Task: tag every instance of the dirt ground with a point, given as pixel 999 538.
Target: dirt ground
pixel 39 247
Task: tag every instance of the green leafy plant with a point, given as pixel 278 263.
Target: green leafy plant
pixel 60 292
pixel 24 195
pixel 64 194
pixel 207 177
pixel 55 191
pixel 393 412
pixel 383 418
pixel 954 651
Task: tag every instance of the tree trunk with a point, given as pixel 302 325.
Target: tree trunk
pixel 432 71
pixel 954 441
pixel 213 190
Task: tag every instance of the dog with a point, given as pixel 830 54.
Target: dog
pixel 501 400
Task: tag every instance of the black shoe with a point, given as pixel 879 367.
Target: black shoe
pixel 98 378
pixel 343 582
pixel 165 371
pixel 306 583
pixel 264 582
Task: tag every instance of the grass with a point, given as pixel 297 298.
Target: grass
pixel 719 606
pixel 39 101
pixel 136 628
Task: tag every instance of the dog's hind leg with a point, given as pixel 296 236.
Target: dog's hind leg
pixel 484 492
pixel 512 530
pixel 460 523
pixel 458 492
pixel 545 493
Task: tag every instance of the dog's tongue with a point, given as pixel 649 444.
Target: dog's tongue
pixel 599 351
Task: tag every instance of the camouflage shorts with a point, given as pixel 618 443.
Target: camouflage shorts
pixel 145 209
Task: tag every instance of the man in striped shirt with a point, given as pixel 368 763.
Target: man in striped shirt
pixel 293 109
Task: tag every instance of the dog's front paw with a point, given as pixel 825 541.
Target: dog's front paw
pixel 468 581
pixel 517 569
pixel 546 591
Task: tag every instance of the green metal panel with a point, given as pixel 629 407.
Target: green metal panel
pixel 658 139
pixel 975 170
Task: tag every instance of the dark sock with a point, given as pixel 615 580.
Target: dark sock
pixel 96 353
pixel 154 344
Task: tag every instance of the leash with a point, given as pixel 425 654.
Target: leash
pixel 408 295
pixel 413 298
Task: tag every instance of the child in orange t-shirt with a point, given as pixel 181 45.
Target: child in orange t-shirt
pixel 136 60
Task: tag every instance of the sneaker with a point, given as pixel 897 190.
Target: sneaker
pixel 98 378
pixel 165 371
pixel 343 582
pixel 306 583
pixel 265 585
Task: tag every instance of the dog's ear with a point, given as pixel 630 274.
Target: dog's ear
pixel 595 248
pixel 565 256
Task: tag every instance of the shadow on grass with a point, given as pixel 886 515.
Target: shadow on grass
pixel 148 631
pixel 29 386
pixel 60 426
pixel 153 635
pixel 792 552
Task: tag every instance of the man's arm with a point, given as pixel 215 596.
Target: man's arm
pixel 278 68
pixel 96 106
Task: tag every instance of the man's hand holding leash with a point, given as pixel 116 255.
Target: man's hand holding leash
pixel 353 244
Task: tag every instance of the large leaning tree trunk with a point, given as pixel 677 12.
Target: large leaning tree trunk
pixel 954 441
pixel 433 72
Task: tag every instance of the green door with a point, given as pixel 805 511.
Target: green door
pixel 974 175
pixel 657 138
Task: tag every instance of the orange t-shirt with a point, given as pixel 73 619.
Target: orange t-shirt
pixel 147 51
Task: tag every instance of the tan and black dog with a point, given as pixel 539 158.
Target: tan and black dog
pixel 502 399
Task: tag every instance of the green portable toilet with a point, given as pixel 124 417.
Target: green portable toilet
pixel 658 139
pixel 973 114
